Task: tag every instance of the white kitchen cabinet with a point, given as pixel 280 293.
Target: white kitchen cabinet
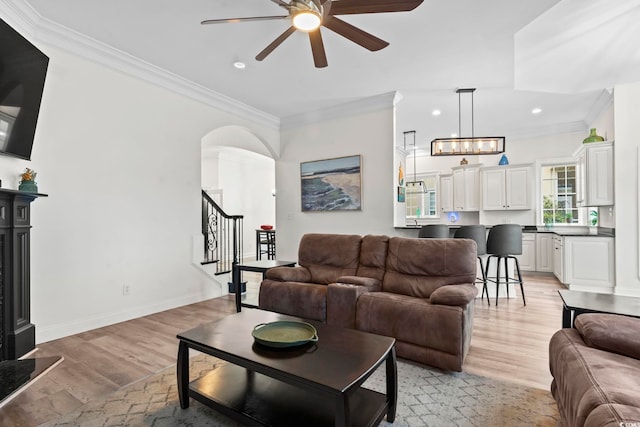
pixel 558 258
pixel 506 188
pixel 527 260
pixel 595 174
pixel 589 263
pixel 466 188
pixel 544 252
pixel 446 193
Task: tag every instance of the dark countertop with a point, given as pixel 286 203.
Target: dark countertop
pixel 601 232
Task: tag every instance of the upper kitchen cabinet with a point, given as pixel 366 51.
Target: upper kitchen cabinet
pixel 507 188
pixel 446 193
pixel 594 171
pixel 466 188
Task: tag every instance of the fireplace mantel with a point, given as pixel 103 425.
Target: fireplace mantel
pixel 17 334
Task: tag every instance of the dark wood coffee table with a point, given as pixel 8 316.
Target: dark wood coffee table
pixel 578 302
pixel 317 384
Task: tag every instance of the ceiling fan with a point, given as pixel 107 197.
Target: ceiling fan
pixel 310 15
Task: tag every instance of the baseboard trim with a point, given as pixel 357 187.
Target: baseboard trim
pixel 64 329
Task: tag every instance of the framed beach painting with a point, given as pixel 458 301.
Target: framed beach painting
pixel 331 184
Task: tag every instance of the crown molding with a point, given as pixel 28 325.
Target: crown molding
pixel 604 102
pixel 358 106
pixel 41 30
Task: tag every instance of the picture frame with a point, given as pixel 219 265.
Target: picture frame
pixel 331 184
pixel 401 194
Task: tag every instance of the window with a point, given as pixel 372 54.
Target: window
pixel 420 198
pixel 559 195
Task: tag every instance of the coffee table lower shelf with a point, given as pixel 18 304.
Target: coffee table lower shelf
pixel 255 399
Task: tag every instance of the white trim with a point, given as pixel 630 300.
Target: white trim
pixel 358 106
pixel 64 329
pixel 604 101
pixel 44 31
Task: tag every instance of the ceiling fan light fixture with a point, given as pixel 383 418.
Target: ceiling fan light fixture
pixel 307 20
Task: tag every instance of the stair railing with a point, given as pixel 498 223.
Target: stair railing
pixel 223 236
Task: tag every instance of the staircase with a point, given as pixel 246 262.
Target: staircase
pixel 222 235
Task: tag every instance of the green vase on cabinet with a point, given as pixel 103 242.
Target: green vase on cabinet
pixel 593 137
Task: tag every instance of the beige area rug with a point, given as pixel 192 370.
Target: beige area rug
pixel 426 397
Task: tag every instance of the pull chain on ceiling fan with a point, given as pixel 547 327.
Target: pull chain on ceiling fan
pixel 310 15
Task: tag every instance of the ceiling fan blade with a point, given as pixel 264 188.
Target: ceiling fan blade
pixel 274 44
pixel 234 20
pixel 355 34
pixel 281 3
pixel 349 7
pixel 317 48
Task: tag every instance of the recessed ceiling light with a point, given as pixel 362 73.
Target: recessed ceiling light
pixel 239 65
pixel 454 135
pixel 536 111
pixel 435 113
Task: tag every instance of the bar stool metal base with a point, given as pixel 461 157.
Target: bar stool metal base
pixel 507 280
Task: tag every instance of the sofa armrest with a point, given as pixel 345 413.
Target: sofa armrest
pixel 610 332
pixel 341 303
pixel 457 295
pixel 373 285
pixel 289 274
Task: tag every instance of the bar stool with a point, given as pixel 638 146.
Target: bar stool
pixel 265 244
pixel 505 241
pixel 479 234
pixel 434 231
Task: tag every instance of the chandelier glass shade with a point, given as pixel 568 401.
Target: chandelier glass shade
pixel 468 146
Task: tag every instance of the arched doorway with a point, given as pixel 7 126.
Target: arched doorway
pixel 238 172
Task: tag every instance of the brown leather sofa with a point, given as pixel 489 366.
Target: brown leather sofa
pixel 419 291
pixel 596 371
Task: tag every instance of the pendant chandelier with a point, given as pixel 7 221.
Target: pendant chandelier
pixel 467 146
pixel 414 186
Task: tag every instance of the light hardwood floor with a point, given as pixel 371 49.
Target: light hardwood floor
pixel 509 343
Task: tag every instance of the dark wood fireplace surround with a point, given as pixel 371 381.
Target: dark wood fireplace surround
pixel 17 333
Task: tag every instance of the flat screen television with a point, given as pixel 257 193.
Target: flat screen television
pixel 23 69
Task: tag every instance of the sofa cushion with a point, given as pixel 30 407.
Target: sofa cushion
pixel 294 298
pixel 592 387
pixel 373 256
pixel 417 267
pixel 610 332
pixel 329 256
pixel 412 320
pixel 459 295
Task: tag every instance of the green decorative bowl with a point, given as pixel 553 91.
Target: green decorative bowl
pixel 593 137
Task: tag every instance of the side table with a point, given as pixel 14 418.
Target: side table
pixel 578 302
pixel 260 266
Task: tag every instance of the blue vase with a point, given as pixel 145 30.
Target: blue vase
pixel 503 160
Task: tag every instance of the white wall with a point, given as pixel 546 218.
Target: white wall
pixel 627 212
pixel 369 134
pixel 120 160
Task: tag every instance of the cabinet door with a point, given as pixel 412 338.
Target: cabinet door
pixel 493 190
pixel 458 189
pixel 544 252
pixel 446 193
pixel 472 189
pixel 558 259
pixel 527 260
pixel 589 263
pixel 518 188
pixel 599 179
pixel 581 179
